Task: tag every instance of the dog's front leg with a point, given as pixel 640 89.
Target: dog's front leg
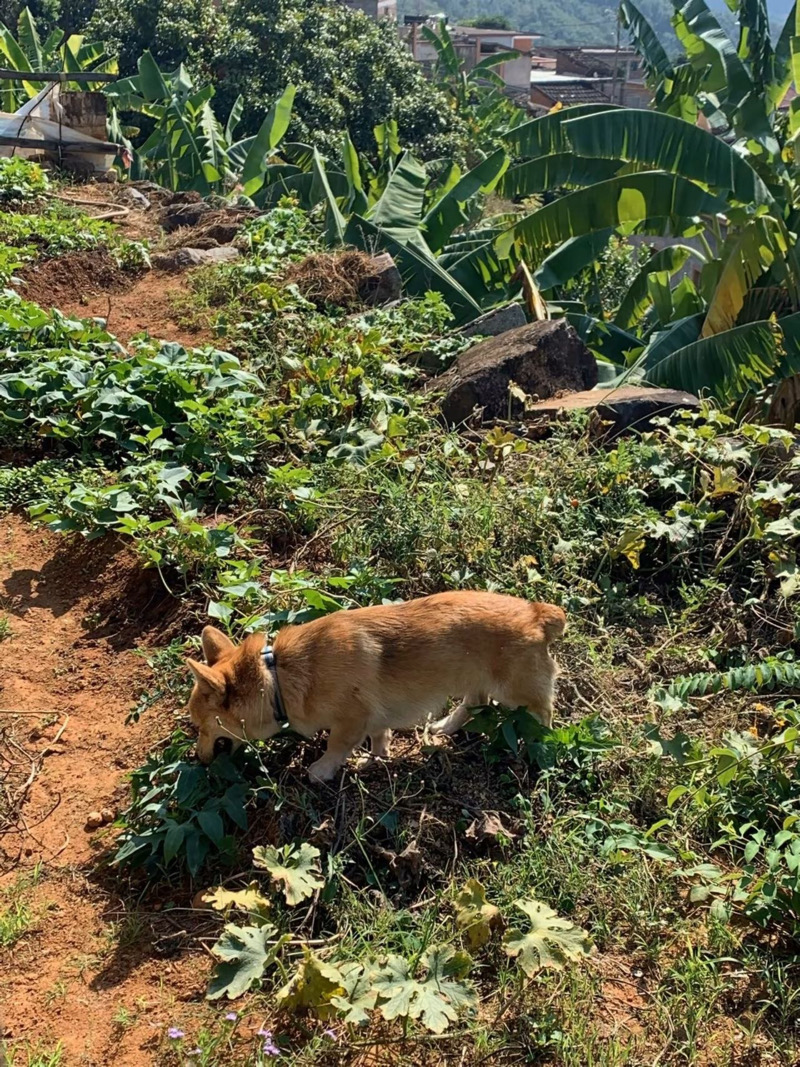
pixel 341 742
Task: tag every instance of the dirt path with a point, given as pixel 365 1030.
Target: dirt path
pixel 89 285
pixel 85 972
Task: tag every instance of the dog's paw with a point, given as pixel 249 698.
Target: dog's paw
pixel 445 727
pixel 322 771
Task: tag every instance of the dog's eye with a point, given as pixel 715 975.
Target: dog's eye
pixel 222 744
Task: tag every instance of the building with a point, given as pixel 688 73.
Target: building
pixel 473 45
pixel 376 9
pixel 549 89
pixel 620 70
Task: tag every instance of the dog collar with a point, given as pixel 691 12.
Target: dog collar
pixel 268 655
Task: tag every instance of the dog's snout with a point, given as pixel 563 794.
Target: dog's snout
pixel 223 744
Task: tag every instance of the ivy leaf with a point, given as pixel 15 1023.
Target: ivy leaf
pixel 245 954
pixel 550 942
pixel 295 869
pixel 313 985
pixel 474 915
pixel 438 999
pixel 359 997
pixel 249 900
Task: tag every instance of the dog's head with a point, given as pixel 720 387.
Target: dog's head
pixel 232 700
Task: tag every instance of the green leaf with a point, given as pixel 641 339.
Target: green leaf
pixel 313 986
pixel 321 191
pixel 359 996
pixel 545 136
pixel 436 999
pixel 474 915
pixel 269 136
pixel 571 258
pixel 627 199
pixel 636 300
pixel 550 941
pixel 398 212
pixel 421 272
pixel 671 144
pixel 173 840
pixel 212 826
pixel 447 213
pixel 745 256
pixel 245 954
pixel 296 870
pixel 551 172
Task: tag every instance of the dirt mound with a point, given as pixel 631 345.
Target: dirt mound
pixel 335 279
pixel 65 281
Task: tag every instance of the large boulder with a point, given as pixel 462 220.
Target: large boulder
pixel 630 407
pixel 543 358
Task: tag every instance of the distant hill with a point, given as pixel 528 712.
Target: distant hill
pixel 558 21
pixel 576 21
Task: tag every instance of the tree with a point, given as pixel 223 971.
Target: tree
pixel 351 72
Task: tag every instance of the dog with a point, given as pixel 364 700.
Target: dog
pixel 366 672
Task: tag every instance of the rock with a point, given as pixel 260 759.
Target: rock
pixel 496 321
pixel 630 407
pixel 181 258
pixel 542 358
pixel 384 284
pixel 108 815
pixel 182 214
pixel 223 232
pixel 138 198
pixel 204 241
pixel 94 820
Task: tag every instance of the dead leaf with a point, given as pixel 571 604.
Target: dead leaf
pixel 488 827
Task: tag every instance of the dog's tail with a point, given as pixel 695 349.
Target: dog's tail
pixel 553 621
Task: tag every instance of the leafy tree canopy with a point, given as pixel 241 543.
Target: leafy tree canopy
pixel 350 72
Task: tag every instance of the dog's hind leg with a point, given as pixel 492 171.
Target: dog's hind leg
pixel 459 716
pixel 381 742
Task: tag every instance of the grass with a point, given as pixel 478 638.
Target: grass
pixel 17 916
pixel 25 1054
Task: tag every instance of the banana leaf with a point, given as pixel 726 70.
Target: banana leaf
pixel 399 210
pixel 670 144
pixel 629 199
pixel 447 213
pixel 571 258
pixel 635 301
pixel 549 172
pixel 271 133
pixel 544 136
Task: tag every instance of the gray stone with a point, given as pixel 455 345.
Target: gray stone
pixel 182 258
pixel 542 358
pixel 184 214
pixel 384 284
pixel 496 321
pixel 630 407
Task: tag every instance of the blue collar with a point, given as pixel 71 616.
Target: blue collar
pixel 271 664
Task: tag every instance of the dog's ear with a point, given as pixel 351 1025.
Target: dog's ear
pixel 214 644
pixel 214 684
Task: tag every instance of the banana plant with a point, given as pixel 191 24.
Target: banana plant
pixel 400 207
pixel 29 55
pixel 713 309
pixel 189 148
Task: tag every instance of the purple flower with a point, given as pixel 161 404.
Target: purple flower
pixel 264 1033
pixel 231 1017
pixel 329 1033
pixel 270 1049
pixel 174 1034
